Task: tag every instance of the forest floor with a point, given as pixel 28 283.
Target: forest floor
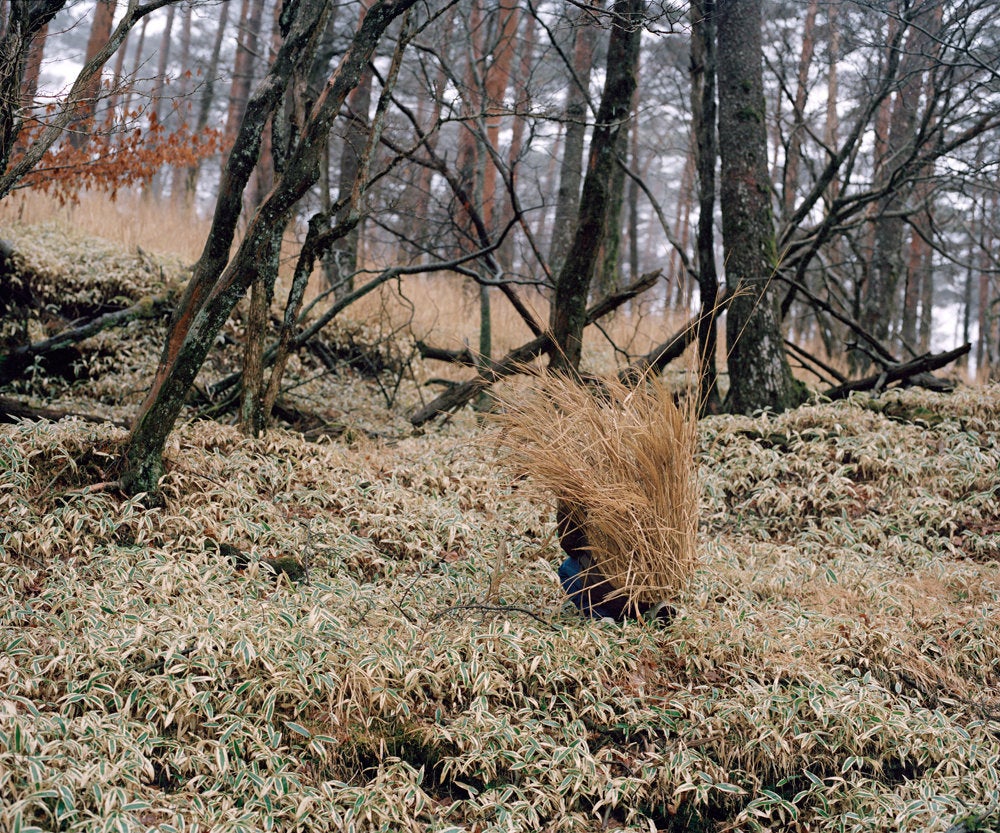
pixel 834 664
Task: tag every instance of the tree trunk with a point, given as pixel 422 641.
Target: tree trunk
pixel 569 306
pixel 703 117
pixel 117 77
pixel 251 18
pixel 179 174
pixel 33 67
pixel 26 20
pixel 220 280
pixel 522 106
pixel 794 152
pixel 100 31
pixel 575 117
pixel 495 88
pixel 154 186
pixel 679 290
pixel 206 100
pixel 879 308
pixel 632 199
pixel 343 256
pixel 136 65
pixel 609 271
pixel 759 373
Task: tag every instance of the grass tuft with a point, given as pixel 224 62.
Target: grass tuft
pixel 621 462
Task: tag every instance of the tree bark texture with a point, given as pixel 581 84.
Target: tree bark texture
pixel 100 31
pixel 759 373
pixel 569 305
pixel 26 20
pixel 220 281
pixel 703 117
pixel 575 117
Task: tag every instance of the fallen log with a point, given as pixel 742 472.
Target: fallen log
pixel 16 361
pixel 12 410
pixel 516 359
pixel 898 372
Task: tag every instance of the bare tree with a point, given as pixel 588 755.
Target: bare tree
pixel 221 278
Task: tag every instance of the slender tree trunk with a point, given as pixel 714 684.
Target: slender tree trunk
pixel 136 64
pixel 575 116
pixel 33 67
pixel 568 315
pixel 633 199
pixel 879 307
pixel 100 32
pixel 495 84
pixel 154 187
pixel 116 83
pixel 925 329
pixel 705 144
pixel 207 99
pixel 988 308
pixel 794 153
pixel 682 228
pixel 759 374
pixel 254 413
pixel 344 254
pixel 179 175
pixel 251 19
pixel 507 251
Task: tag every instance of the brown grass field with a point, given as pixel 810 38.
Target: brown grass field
pixel 833 665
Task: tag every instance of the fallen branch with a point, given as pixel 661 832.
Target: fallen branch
pixel 810 363
pixel 673 348
pixel 14 363
pixel 516 359
pixel 442 354
pixel 898 372
pixel 13 409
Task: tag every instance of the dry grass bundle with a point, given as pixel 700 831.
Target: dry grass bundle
pixel 621 462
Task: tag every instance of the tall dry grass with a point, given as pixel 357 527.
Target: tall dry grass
pixel 129 220
pixel 621 460
pixel 442 309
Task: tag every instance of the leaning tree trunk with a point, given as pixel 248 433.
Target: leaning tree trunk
pixel 569 304
pixel 219 281
pixel 759 373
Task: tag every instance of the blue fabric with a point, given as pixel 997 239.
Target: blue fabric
pixel 572 582
pixel 569 575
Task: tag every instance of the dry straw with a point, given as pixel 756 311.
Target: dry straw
pixel 621 461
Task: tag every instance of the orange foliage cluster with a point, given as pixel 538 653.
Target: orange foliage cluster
pixel 115 156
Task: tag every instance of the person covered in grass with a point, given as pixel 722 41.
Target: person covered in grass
pixel 587 587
